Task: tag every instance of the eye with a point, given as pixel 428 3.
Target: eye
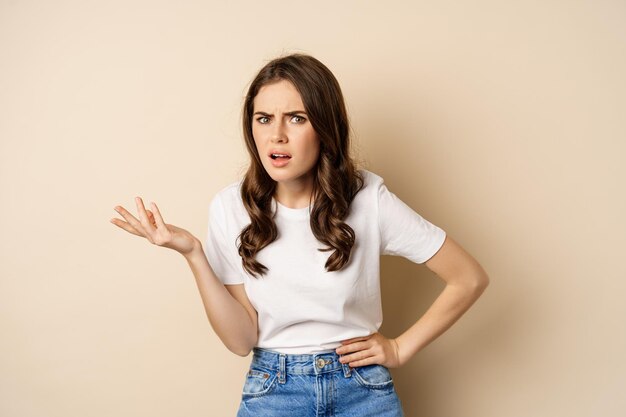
pixel 298 119
pixel 263 120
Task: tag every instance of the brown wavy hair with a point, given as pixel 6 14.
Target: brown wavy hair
pixel 336 178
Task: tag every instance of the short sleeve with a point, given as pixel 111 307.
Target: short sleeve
pixel 403 232
pixel 221 252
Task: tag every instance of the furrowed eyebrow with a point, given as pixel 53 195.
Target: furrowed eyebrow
pixel 289 113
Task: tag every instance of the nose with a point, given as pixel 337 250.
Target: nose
pixel 278 133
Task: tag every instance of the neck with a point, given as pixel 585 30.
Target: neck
pixel 294 194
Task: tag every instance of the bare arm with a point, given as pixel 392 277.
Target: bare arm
pixel 465 282
pixel 229 311
pixel 227 307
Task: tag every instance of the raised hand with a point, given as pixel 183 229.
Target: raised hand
pixel 151 226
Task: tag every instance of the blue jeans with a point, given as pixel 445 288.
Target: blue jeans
pixel 316 385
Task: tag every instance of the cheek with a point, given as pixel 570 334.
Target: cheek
pixel 316 154
pixel 255 137
pixel 315 149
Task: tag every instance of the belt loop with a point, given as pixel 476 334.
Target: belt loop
pixel 347 372
pixel 281 368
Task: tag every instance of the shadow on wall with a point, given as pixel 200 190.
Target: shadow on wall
pixel 459 354
pixel 407 292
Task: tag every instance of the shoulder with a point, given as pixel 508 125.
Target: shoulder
pixel 369 194
pixel 370 177
pixel 227 209
pixel 229 193
pixel 371 181
pixel 227 200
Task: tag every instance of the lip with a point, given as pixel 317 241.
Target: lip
pixel 278 151
pixel 279 162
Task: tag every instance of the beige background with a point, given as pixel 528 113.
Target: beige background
pixel 501 122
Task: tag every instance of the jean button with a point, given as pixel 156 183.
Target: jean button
pixel 320 362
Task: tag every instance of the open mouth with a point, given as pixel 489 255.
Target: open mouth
pixel 280 156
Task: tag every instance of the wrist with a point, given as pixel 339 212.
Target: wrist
pixel 402 350
pixel 195 252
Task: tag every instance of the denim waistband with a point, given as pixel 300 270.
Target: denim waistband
pixel 307 364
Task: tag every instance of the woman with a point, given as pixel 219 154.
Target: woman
pixel 290 269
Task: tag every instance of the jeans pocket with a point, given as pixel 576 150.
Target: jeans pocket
pixel 373 376
pixel 258 382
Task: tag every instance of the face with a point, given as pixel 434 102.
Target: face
pixel 284 137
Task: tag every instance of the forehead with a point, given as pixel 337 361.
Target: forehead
pixel 278 95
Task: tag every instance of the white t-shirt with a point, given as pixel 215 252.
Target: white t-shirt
pixel 301 307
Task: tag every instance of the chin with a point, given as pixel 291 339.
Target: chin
pixel 276 176
pixel 282 176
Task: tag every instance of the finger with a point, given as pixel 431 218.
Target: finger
pixel 157 215
pixel 131 220
pixel 355 357
pixel 352 347
pixel 143 217
pixel 124 225
pixel 151 218
pixel 371 360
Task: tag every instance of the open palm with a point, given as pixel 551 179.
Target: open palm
pixel 151 226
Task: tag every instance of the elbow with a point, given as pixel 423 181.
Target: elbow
pixel 480 282
pixel 479 278
pixel 241 352
pixel 242 349
pixel 474 283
